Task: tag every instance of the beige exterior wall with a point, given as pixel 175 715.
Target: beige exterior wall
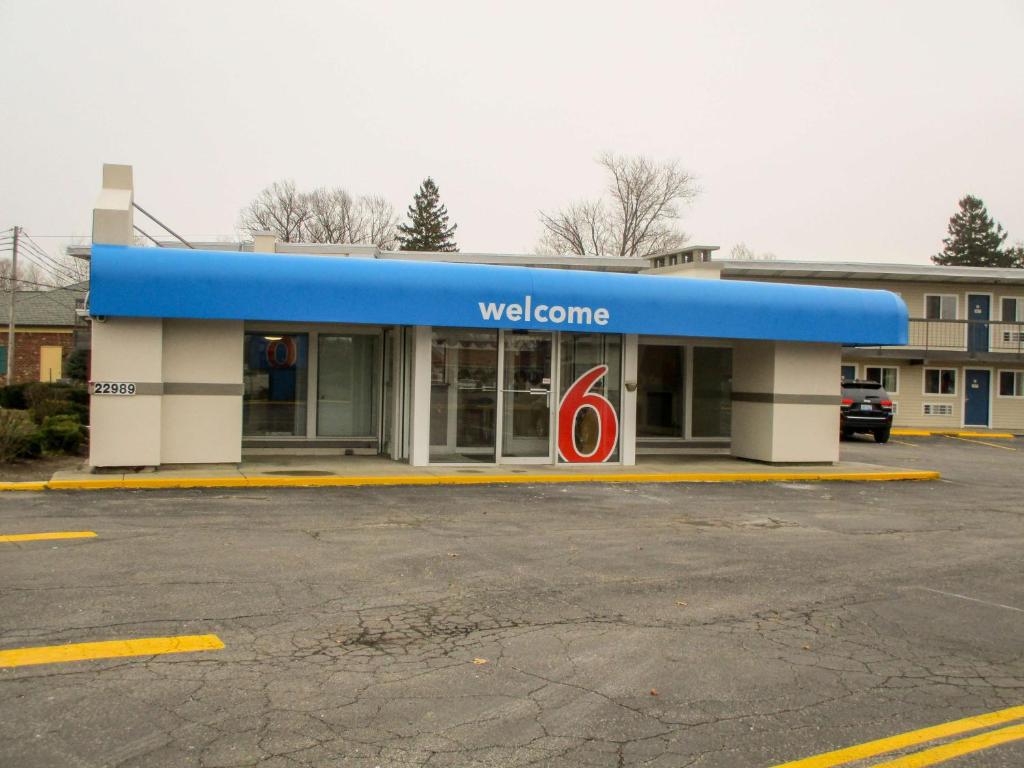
pixel 1007 412
pixel 189 405
pixel 202 427
pixel 125 430
pixel 909 400
pixel 795 413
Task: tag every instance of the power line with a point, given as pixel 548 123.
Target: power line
pixel 62 268
pixel 47 265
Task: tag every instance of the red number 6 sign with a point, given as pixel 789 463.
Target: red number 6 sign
pixel 576 398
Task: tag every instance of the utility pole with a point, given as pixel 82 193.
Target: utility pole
pixel 10 316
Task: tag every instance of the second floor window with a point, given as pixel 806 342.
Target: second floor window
pixel 940 307
pixel 1012 310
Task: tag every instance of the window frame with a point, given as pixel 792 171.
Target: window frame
pixel 924 382
pixel 1020 309
pixel 895 368
pixel 940 296
pixel 999 379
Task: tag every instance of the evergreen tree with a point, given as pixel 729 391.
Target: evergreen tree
pixel 975 240
pixel 428 229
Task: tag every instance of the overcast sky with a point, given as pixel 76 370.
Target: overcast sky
pixel 818 130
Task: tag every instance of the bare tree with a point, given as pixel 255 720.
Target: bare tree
pixel 637 217
pixel 281 209
pixel 741 252
pixel 30 277
pixel 380 222
pixel 321 216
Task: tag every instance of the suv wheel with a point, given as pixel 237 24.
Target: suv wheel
pixel 882 435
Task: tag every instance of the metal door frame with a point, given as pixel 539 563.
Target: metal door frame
pixel 553 390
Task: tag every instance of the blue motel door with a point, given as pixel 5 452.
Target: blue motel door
pixel 976 398
pixel 978 308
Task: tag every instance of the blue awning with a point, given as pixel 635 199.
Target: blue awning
pixel 177 283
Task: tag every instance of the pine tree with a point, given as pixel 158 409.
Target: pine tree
pixel 975 240
pixel 428 229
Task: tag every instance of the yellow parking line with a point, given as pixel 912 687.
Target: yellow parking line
pixel 909 739
pixel 48 536
pixel 980 442
pixel 966 746
pixel 148 646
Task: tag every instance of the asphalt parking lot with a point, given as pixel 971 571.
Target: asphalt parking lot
pixel 719 626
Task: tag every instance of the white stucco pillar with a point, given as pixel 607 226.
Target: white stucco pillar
pixel 785 402
pixel 125 429
pixel 419 422
pixel 112 218
pixel 201 419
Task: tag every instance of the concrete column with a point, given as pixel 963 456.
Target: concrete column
pixel 112 218
pixel 125 429
pixel 785 402
pixel 419 423
pixel 627 413
pixel 202 405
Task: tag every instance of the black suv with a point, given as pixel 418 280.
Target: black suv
pixel 866 407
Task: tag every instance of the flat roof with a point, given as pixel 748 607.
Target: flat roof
pixel 130 281
pixel 866 271
pixel 348 250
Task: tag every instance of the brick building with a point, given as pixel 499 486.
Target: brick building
pixel 47 331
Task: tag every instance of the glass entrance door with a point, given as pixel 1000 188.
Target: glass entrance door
pixel 526 397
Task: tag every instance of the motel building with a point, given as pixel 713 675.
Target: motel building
pixel 212 353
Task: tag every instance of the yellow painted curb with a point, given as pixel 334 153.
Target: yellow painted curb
pixel 952 432
pixel 36 485
pixel 336 482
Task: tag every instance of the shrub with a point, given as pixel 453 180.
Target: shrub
pixel 16 433
pixel 13 396
pixel 62 434
pixel 46 400
pixel 77 366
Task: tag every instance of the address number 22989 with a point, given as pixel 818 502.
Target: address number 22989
pixel 113 388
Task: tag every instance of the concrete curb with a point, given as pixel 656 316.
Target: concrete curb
pixel 154 483
pixel 952 433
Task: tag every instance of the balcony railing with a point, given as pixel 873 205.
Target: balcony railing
pixel 971 336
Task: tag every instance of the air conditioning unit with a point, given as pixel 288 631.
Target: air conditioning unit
pixel 937 409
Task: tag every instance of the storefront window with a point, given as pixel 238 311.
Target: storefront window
pixel 275 377
pixel 660 390
pixel 348 368
pixel 463 395
pixel 712 392
pixel 593 429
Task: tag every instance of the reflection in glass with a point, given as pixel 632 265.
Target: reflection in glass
pixel 712 392
pixel 660 390
pixel 463 395
pixel 347 369
pixel 579 353
pixel 275 382
pixel 526 404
